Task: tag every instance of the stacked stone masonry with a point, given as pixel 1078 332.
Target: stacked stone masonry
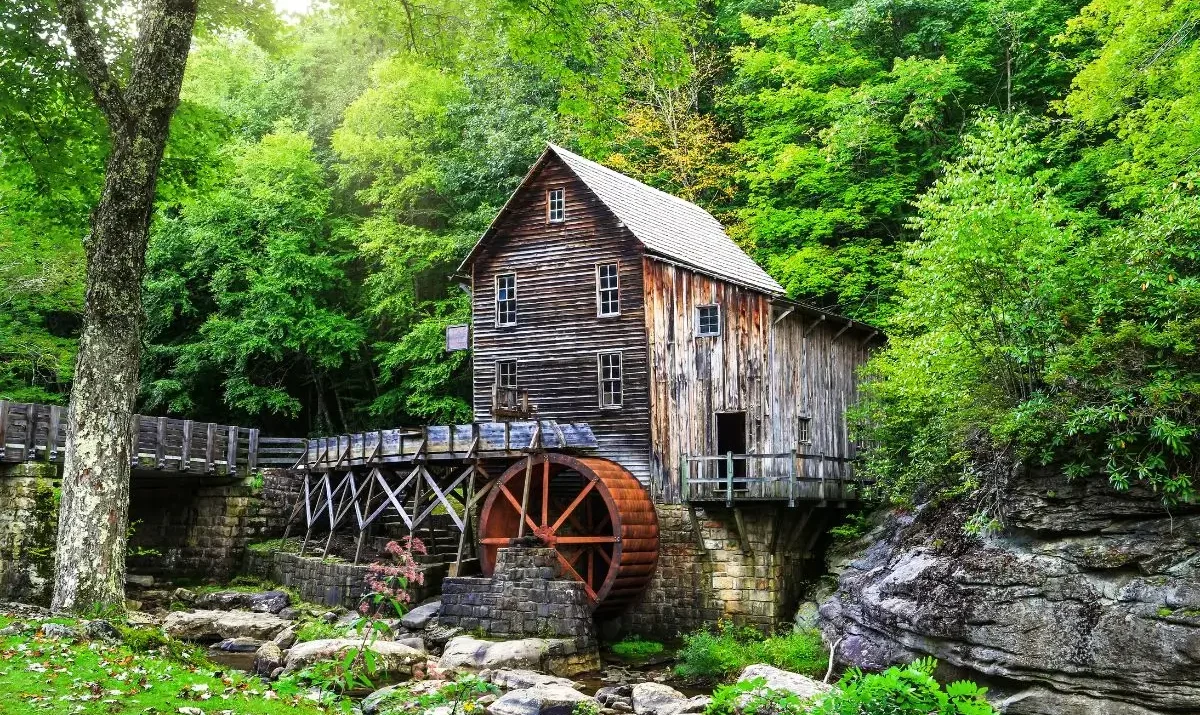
pixel 709 571
pixel 525 597
pixel 328 581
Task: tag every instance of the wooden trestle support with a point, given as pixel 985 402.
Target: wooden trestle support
pixel 598 518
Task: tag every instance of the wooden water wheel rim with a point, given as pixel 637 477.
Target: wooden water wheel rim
pixel 617 552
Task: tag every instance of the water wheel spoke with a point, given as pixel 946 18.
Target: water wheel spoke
pixel 578 500
pixel 501 540
pixel 567 565
pixel 596 539
pixel 546 492
pixel 516 505
pixel 572 519
pixel 604 555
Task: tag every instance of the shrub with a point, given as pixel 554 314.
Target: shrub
pixel 907 690
pixel 319 631
pixel 634 648
pixel 752 698
pixel 717 655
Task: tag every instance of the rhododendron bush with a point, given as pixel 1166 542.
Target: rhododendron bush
pixel 388 583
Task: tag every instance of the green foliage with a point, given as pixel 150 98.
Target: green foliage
pixel 318 630
pixel 907 690
pixel 752 697
pixel 714 655
pixel 634 648
pixel 855 527
pixel 1027 325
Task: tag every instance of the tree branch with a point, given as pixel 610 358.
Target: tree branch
pixel 91 60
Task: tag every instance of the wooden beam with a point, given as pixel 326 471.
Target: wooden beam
pixel 160 443
pixel 30 430
pixel 52 433
pixel 185 449
pixel 4 415
pixel 743 536
pixel 231 450
pixel 252 451
pixel 849 324
pixel 210 449
pixel 814 325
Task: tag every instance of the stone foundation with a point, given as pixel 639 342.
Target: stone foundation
pixel 28 530
pixel 333 583
pixel 709 571
pixel 526 596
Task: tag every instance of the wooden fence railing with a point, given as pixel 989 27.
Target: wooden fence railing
pixel 38 433
pixel 792 476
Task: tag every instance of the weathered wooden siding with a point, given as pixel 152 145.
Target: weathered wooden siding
pixel 762 364
pixel 558 334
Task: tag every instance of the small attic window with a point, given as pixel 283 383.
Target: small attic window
pixel 556 205
pixel 708 320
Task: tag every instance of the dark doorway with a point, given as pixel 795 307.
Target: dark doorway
pixel 731 437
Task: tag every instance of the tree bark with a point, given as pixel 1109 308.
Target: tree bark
pixel 94 513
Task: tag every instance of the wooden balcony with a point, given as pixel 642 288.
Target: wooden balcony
pixel 789 476
pixel 511 403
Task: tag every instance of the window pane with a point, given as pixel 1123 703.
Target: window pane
pixel 607 289
pixel 708 320
pixel 557 204
pixel 506 373
pixel 506 299
pixel 610 379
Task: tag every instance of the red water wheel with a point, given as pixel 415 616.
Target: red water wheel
pixel 591 511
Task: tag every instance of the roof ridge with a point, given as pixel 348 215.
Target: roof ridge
pixel 624 177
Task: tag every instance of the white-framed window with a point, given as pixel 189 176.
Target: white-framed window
pixel 611 375
pixel 804 430
pixel 506 299
pixel 708 320
pixel 506 373
pixel 608 290
pixel 556 205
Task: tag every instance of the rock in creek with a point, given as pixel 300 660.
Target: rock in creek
pixel 262 602
pixel 801 686
pixel 518 679
pixel 418 618
pixel 393 661
pixel 206 626
pixel 659 699
pixel 1089 602
pixel 267 658
pixel 467 653
pixel 237 645
pixel 550 699
pixel 286 638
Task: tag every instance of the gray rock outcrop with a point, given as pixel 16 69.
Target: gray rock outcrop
pixel 259 602
pixel 549 699
pixel 1088 601
pixel 206 626
pixel 801 686
pixel 393 661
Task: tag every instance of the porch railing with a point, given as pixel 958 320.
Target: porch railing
pixel 792 476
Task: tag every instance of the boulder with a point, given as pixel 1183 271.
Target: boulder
pixel 206 626
pixel 612 694
pixel 520 679
pixel 414 642
pixel 418 618
pixel 1087 602
pixel 393 661
pixel 468 653
pixel 286 638
pixel 237 645
pixel 15 628
pixel 659 699
pixel 142 580
pixel 801 686
pixel 267 658
pixel 260 602
pixel 395 699
pixel 550 699
pixel 57 630
pixel 100 630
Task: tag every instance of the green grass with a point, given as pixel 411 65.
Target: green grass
pixel 147 675
pixel 318 631
pixel 634 648
pixel 721 654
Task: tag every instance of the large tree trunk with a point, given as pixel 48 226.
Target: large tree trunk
pixel 94 514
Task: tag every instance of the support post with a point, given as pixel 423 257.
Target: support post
pixel 51 434
pixel 185 449
pixel 210 449
pixel 160 444
pixel 729 479
pixel 4 412
pixel 525 496
pixel 231 450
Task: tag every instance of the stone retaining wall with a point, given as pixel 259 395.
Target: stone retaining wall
pixel 327 581
pixel 526 596
pixel 28 529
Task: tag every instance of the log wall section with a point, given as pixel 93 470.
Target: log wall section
pixel 558 334
pixel 774 367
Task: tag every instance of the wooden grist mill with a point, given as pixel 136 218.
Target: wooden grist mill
pixel 438 482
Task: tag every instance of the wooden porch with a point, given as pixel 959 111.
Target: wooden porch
pixel 790 477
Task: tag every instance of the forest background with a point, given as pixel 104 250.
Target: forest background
pixel 1005 187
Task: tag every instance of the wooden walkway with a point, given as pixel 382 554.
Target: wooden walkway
pixel 38 433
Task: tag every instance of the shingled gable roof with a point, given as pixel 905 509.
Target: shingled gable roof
pixel 666 225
